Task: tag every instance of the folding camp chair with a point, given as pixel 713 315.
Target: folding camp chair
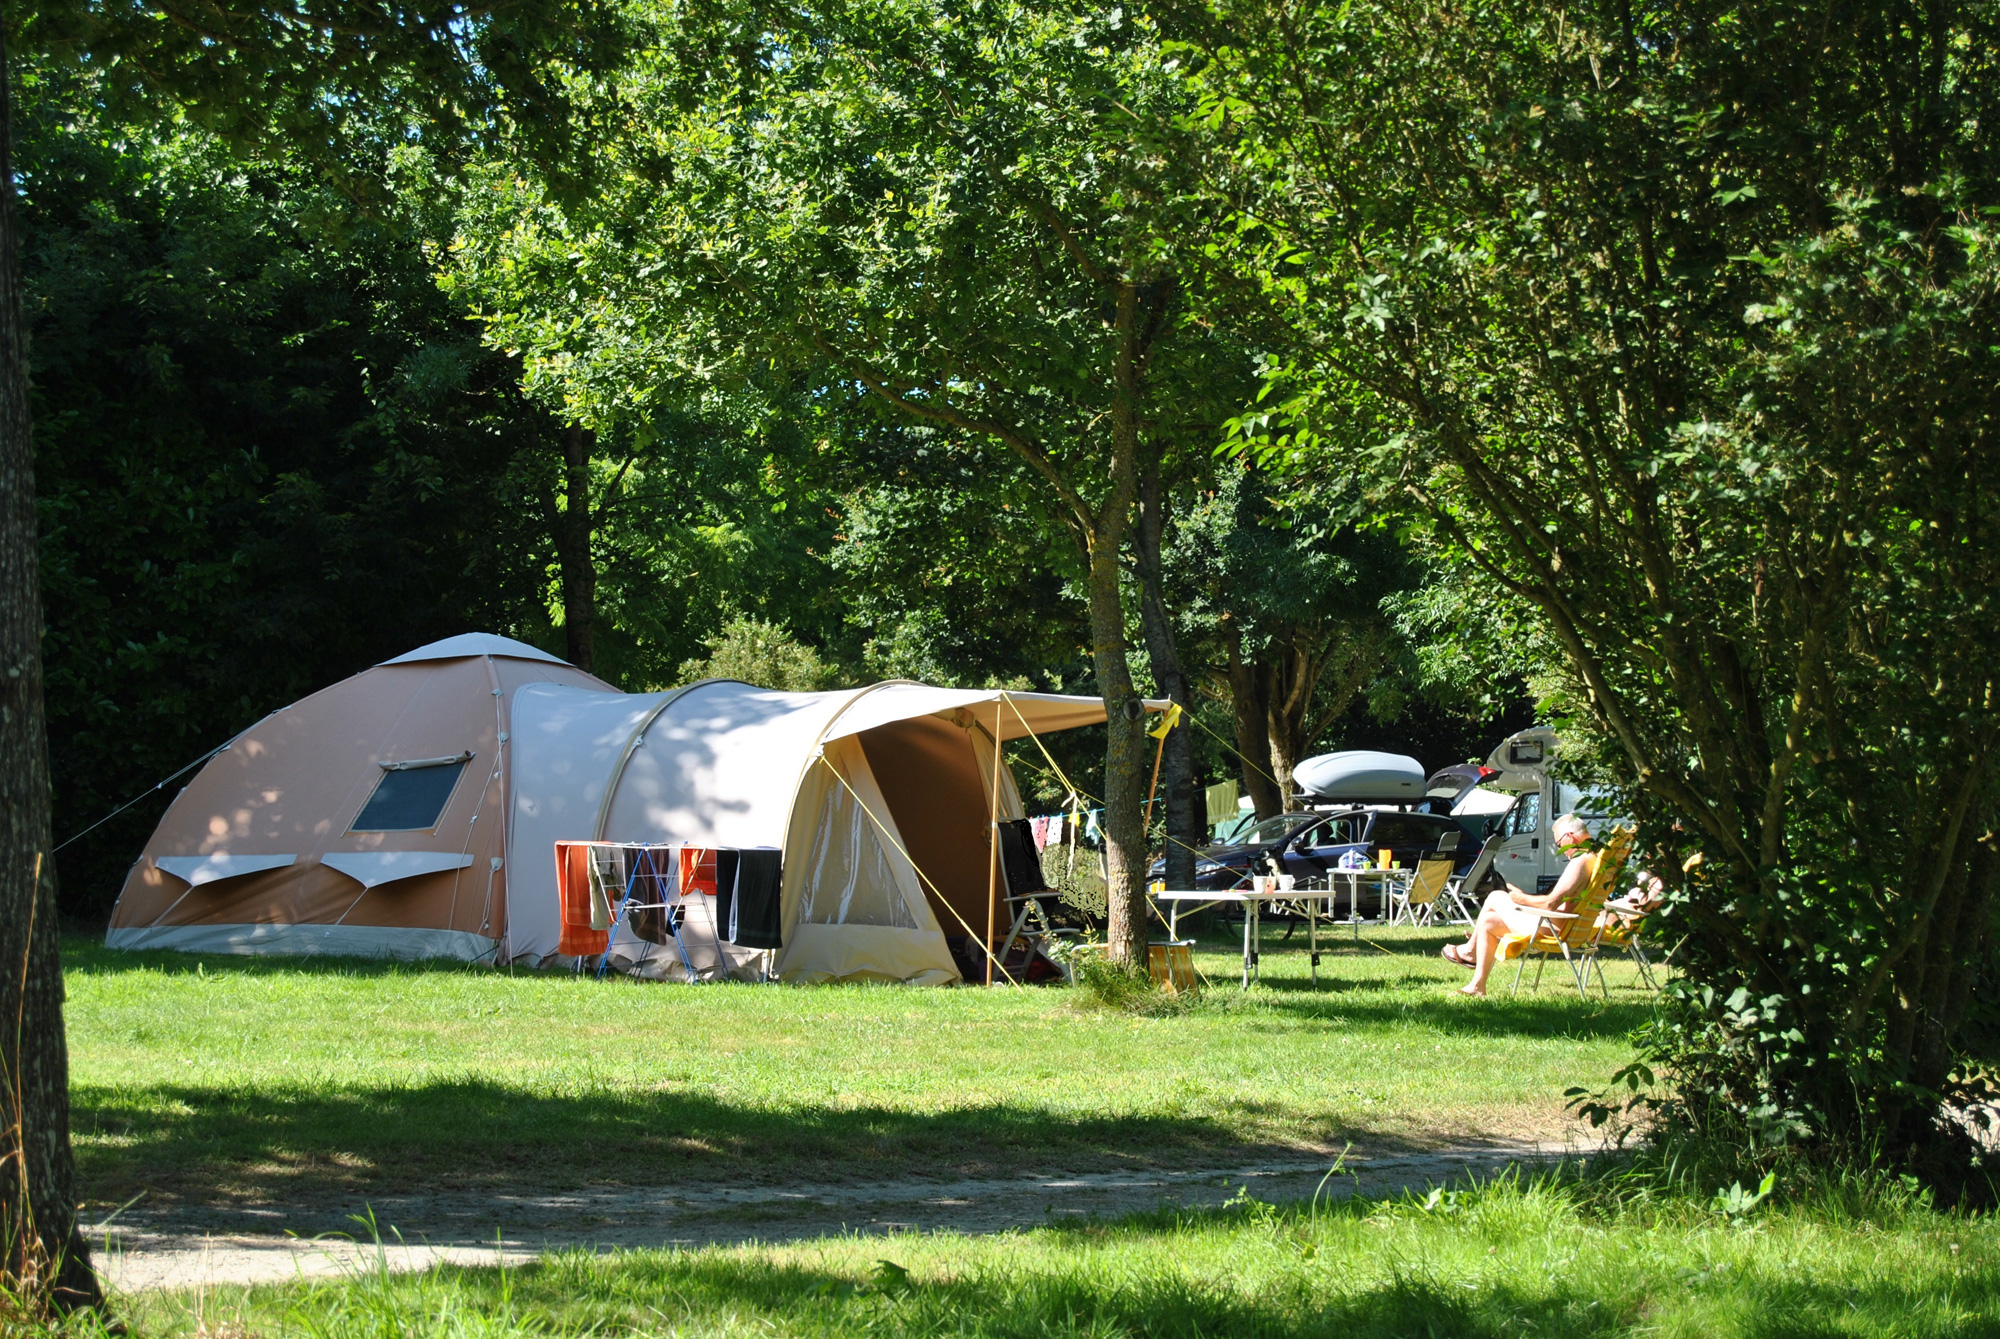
pixel 1611 935
pixel 1030 899
pixel 1415 903
pixel 1573 933
pixel 1463 893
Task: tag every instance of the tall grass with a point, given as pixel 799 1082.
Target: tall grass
pixel 1557 1255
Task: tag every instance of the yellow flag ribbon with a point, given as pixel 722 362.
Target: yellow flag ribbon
pixel 1168 721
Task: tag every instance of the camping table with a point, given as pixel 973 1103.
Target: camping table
pixel 1252 903
pixel 1387 879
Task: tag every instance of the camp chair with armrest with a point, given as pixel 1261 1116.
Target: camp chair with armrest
pixel 1612 935
pixel 1415 903
pixel 1572 931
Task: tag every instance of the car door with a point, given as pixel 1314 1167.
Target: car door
pixel 1307 857
pixel 1519 859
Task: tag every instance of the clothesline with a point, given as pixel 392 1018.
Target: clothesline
pixel 1049 829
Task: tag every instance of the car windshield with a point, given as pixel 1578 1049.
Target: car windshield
pixel 1271 830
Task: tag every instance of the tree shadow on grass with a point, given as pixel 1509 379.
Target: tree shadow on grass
pixel 215 1145
pixel 1292 1299
pixel 1522 1016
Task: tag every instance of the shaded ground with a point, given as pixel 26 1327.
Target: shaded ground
pixel 178 1246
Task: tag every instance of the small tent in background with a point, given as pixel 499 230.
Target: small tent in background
pixel 414 811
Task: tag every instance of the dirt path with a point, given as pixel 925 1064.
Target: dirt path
pixel 186 1246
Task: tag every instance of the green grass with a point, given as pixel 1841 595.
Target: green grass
pixel 233 1078
pixel 1548 1259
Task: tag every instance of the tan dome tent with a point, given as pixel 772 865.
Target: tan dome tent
pixel 369 818
pixel 308 833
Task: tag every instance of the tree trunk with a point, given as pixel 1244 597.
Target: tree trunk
pixel 573 555
pixel 1125 751
pixel 1186 820
pixel 1253 730
pixel 43 1251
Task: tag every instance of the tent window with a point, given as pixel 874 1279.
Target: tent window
pixel 410 797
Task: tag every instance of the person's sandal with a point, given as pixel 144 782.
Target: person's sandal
pixel 1451 957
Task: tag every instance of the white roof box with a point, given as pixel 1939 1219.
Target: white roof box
pixel 1362 776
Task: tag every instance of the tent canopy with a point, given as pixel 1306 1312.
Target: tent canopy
pixel 413 810
pixel 884 791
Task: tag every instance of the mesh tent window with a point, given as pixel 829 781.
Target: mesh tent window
pixel 411 796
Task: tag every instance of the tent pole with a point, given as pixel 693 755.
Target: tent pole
pixel 993 839
pixel 1153 789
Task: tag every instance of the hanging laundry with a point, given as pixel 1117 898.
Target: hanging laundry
pixel 753 911
pixel 1045 827
pixel 1091 832
pixel 649 922
pixel 600 899
pixel 725 890
pixel 1222 798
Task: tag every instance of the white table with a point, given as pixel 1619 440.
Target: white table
pixel 1386 881
pixel 1253 903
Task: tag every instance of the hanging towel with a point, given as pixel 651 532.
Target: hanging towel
pixel 600 901
pixel 652 893
pixel 650 924
pixel 573 882
pixel 1091 832
pixel 753 911
pixel 1222 798
pixel 725 889
pixel 1043 828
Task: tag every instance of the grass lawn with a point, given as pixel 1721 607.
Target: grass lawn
pixel 271 1079
pixel 275 1080
pixel 1545 1260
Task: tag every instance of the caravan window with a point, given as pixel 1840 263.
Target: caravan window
pixel 411 796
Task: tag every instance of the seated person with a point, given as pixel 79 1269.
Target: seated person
pixel 1510 911
pixel 1640 901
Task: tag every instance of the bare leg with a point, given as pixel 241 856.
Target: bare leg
pixel 1487 933
pixel 1467 954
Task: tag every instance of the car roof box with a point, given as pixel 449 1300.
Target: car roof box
pixel 1362 776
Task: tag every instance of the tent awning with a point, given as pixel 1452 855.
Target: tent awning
pixel 1017 713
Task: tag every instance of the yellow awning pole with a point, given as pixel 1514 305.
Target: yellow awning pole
pixel 993 834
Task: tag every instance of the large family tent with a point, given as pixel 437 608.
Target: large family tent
pixel 414 811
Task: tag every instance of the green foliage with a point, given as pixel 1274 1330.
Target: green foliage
pixel 763 654
pixel 1678 326
pixel 266 453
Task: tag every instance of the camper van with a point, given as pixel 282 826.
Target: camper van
pixel 1527 857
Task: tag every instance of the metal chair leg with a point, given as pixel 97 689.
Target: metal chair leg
pixel 1576 972
pixel 1644 964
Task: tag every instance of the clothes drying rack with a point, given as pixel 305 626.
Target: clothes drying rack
pixel 646 862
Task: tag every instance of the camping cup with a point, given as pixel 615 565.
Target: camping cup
pixel 1285 882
